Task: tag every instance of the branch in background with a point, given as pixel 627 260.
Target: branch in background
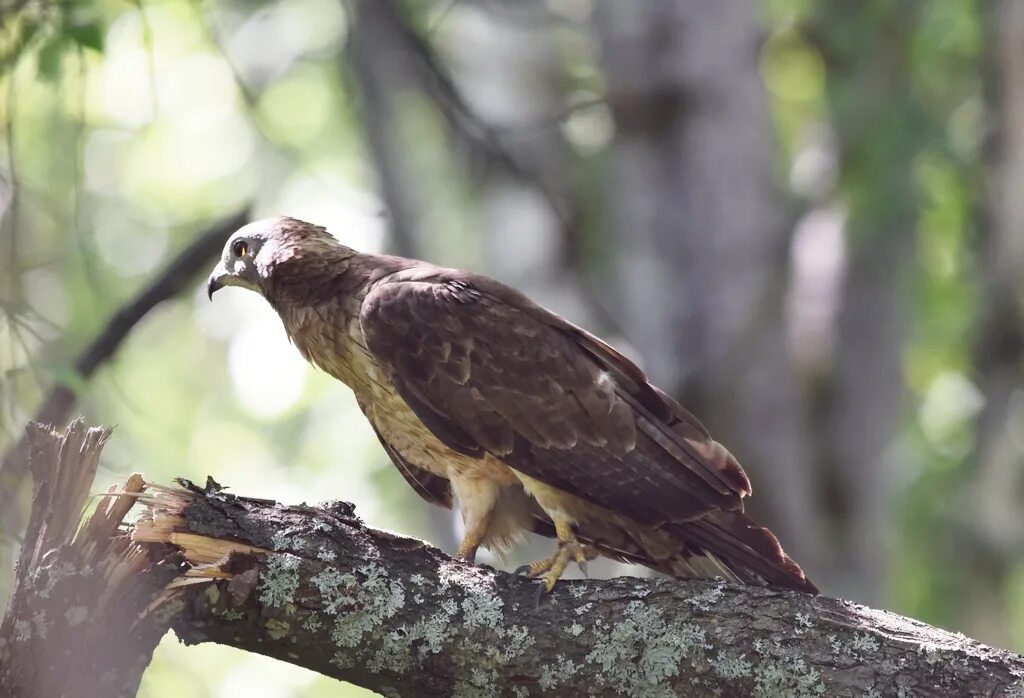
pixel 11 267
pixel 397 49
pixel 315 587
pixel 417 60
pixel 81 621
pixel 10 214
pixel 463 122
pixel 58 403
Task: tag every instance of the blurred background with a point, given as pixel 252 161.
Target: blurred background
pixel 804 218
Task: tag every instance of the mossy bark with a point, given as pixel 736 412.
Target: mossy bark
pixel 398 616
pixel 314 586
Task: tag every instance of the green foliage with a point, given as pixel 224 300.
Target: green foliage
pixel 903 89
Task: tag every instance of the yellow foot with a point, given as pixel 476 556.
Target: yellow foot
pixel 467 552
pixel 553 567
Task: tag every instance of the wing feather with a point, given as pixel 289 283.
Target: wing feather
pixel 551 400
pixel 433 488
pixel 488 371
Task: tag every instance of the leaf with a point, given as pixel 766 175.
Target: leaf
pixel 86 35
pixel 50 57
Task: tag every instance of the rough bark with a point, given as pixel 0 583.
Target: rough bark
pixel 82 619
pixel 398 616
pixel 314 586
pixel 699 219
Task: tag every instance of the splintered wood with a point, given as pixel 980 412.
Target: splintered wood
pixel 78 620
pixel 163 522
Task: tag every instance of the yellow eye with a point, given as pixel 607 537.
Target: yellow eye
pixel 240 248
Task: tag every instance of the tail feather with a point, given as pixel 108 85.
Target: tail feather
pixel 721 544
pixel 745 547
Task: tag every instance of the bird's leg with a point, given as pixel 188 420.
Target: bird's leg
pixel 475 533
pixel 477 499
pixel 569 549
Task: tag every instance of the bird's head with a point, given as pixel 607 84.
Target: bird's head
pixel 255 251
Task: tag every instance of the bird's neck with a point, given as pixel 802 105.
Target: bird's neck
pixel 308 280
pixel 319 301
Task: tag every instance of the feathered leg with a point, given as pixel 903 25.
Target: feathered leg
pixel 477 500
pixel 569 549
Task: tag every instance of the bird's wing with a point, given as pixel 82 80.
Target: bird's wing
pixel 487 375
pixel 488 371
pixel 433 488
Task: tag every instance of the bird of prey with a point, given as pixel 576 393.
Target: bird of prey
pixel 531 423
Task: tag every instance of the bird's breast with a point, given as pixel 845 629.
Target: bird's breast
pixel 411 438
pixel 332 341
pixel 336 345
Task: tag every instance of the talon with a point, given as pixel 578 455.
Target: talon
pixel 552 568
pixel 541 566
pixel 540 595
pixel 569 550
pixel 557 568
pixel 522 569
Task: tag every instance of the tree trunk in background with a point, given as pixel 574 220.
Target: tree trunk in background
pixel 881 130
pixel 378 56
pixel 867 395
pixel 999 353
pixel 524 237
pixel 702 242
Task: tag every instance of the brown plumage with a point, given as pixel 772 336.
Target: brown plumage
pixel 530 422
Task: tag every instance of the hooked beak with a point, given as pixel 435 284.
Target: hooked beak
pixel 216 279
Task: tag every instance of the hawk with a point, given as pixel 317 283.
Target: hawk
pixel 531 423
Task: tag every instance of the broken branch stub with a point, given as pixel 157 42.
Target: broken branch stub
pixel 77 623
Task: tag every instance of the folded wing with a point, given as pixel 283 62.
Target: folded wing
pixel 488 371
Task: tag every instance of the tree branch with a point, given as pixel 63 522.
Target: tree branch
pixel 400 617
pixel 58 403
pixel 418 63
pixel 315 587
pixel 79 622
